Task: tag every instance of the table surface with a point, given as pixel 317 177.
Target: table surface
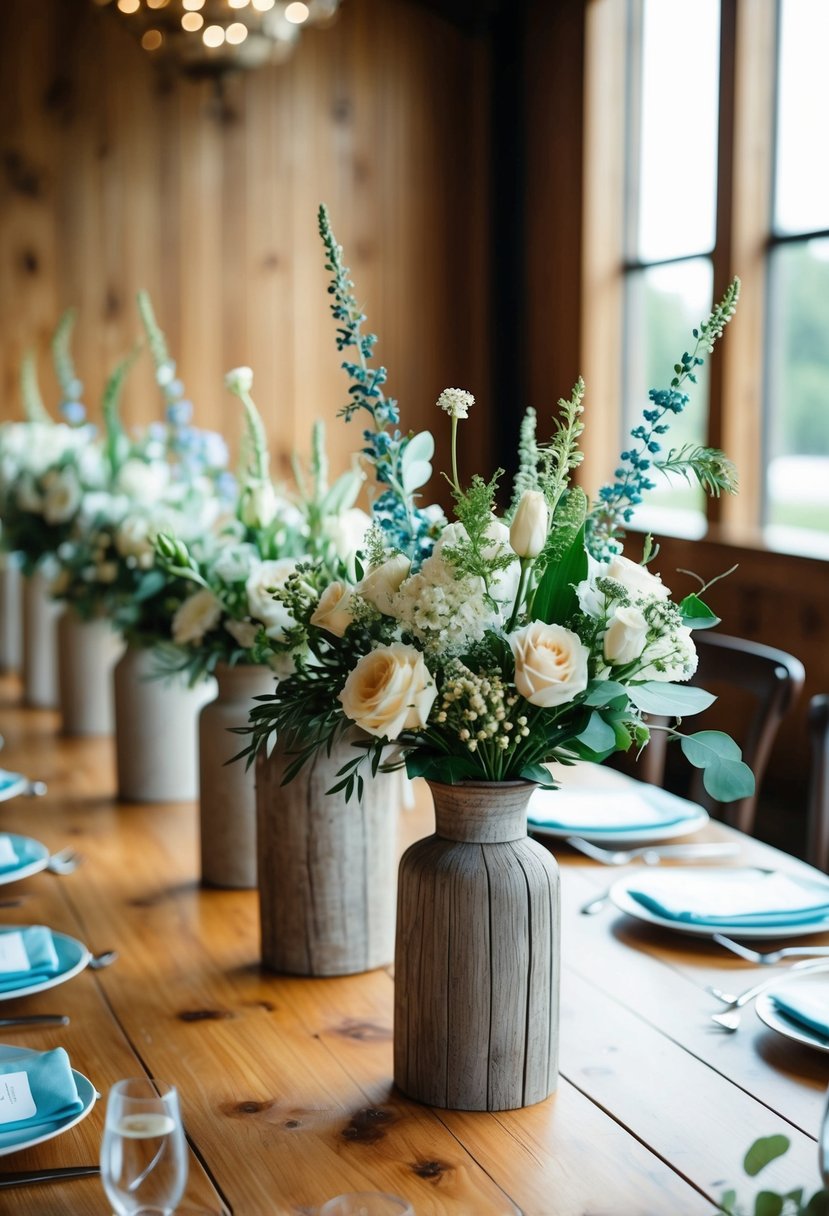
pixel 286 1083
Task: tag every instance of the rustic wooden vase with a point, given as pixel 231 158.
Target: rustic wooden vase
pixel 11 616
pixel 40 642
pixel 227 793
pixel 87 654
pixel 156 749
pixel 327 871
pixel 477 957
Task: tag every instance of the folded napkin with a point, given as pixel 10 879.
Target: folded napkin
pixel 584 811
pixel 27 956
pixel 10 858
pixel 808 1007
pixel 37 1087
pixel 9 781
pixel 732 897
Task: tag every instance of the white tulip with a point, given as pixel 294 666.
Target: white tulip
pixel 528 532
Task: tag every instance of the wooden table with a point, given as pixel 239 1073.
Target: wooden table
pixel 286 1083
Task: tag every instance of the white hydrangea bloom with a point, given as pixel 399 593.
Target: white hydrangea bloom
pixel 456 402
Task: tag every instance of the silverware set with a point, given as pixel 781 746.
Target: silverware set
pixel 25 1177
pixel 729 1018
pixel 652 855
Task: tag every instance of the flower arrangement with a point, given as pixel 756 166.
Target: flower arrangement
pixel 233 616
pixel 485 648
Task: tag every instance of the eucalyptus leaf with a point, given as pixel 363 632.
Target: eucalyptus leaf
pixel 540 774
pixel 604 691
pixel 151 584
pixel 696 614
pixel 343 493
pixel 768 1203
pixel 421 447
pixel 598 735
pixel 415 474
pixel 725 776
pixel 767 1148
pixel 669 700
pixel 818 1205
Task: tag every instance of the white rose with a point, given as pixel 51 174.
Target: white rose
pixel 258 505
pixel 389 691
pixel 243 632
pixel 195 617
pixel 636 579
pixel 333 612
pixel 133 539
pixel 263 580
pixel 381 584
pixel 143 483
pixel 28 496
pixel 235 563
pixel 550 664
pixel 669 658
pixel 504 586
pixel 528 531
pixel 62 495
pixel 346 532
pixel 626 636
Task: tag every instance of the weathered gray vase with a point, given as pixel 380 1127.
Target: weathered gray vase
pixel 87 654
pixel 477 957
pixel 40 642
pixel 327 872
pixel 155 730
pixel 227 792
pixel 11 614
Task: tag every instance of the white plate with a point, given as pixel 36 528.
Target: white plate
pixel 624 901
pixel 38 858
pixel 73 956
pixel 776 1020
pixel 27 1137
pixel 12 784
pixel 694 816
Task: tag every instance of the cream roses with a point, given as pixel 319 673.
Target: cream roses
pixel 626 636
pixel 197 616
pixel 550 664
pixel 389 691
pixel 266 578
pixel 333 612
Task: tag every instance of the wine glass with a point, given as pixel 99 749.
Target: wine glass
pixel 143 1152
pixel 823 1146
pixel 366 1203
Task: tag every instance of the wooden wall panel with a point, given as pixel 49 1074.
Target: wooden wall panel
pixel 111 180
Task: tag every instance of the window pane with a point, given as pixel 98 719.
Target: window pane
pixel 802 185
pixel 664 303
pixel 798 436
pixel 678 151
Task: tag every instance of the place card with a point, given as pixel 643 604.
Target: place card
pixel 16 1101
pixel 13 956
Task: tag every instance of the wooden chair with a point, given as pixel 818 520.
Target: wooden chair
pixel 767 682
pixel 818 842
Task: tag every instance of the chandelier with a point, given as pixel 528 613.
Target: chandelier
pixel 211 37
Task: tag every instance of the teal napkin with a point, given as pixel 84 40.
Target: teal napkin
pixel 807 1009
pixel 12 854
pixel 584 811
pixel 27 956
pixel 721 897
pixel 37 1088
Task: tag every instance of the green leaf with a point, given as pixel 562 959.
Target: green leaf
pixel 602 692
pixel 598 735
pixel 669 700
pixel 449 770
pixel 766 1149
pixel 415 461
pixel 696 614
pixel 818 1205
pixel 342 494
pixel 151 584
pixel 768 1203
pixel 539 774
pixel 728 1200
pixel 555 600
pixel 725 776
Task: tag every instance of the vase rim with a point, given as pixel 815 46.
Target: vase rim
pixel 513 783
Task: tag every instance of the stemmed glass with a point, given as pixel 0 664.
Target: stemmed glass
pixel 366 1203
pixel 823 1146
pixel 143 1152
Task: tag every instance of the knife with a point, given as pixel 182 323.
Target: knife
pixel 37 1019
pixel 58 1175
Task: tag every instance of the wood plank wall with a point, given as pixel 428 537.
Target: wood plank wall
pixel 111 180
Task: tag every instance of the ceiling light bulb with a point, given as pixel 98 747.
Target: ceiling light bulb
pixel 263 6
pixel 157 3
pixel 213 36
pixel 151 40
pixel 192 22
pixel 238 3
pixel 236 33
pixel 297 13
pixel 129 6
pixel 192 5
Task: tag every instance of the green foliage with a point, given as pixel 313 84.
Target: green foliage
pixel 555 601
pixel 528 456
pixel 696 614
pixel 562 455
pixel 709 466
pixel 33 407
pixel 772 1203
pixel 62 355
pixel 725 776
pixel 116 442
pixel 472 554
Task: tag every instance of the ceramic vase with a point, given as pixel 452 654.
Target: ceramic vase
pixel 477 955
pixel 326 866
pixel 155 730
pixel 40 642
pixel 87 654
pixel 11 615
pixel 227 792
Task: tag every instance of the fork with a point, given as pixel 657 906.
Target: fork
pixel 770 956
pixel 729 1019
pixel 651 855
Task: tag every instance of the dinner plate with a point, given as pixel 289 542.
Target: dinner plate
pixel 624 901
pixel 12 784
pixel 692 817
pixel 73 956
pixel 27 1137
pixel 775 1019
pixel 36 858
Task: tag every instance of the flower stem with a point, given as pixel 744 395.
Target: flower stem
pixel 455 482
pixel 526 563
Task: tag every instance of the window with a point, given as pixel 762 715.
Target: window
pixel 723 139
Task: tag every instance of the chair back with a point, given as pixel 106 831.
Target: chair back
pixel 767 682
pixel 818 842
